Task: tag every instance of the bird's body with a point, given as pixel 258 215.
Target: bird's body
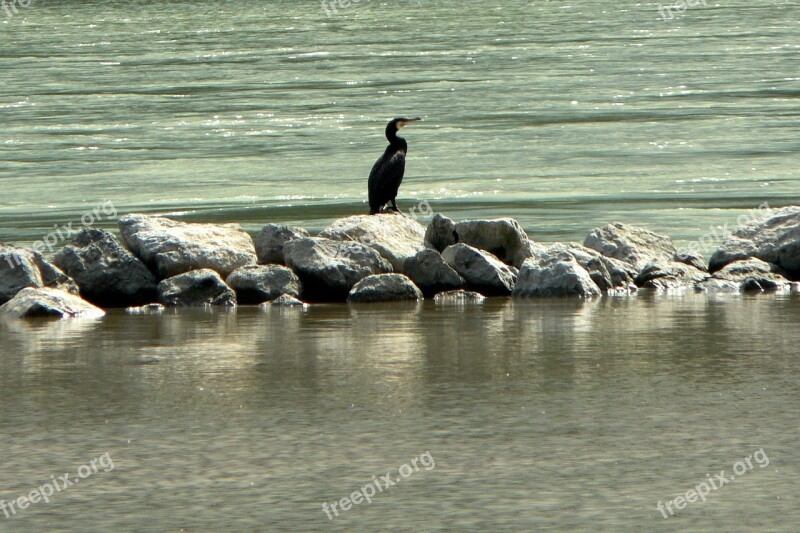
pixel 387 172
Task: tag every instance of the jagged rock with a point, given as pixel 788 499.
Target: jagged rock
pixel 458 297
pixel 633 245
pixel 441 232
pixel 23 267
pixel 270 240
pixel 753 275
pixel 607 273
pixel 559 275
pixel 169 247
pixel 384 288
pixel 669 275
pixel 329 269
pixel 149 309
pixel 692 259
pixel 431 274
pixel 107 274
pixel 255 284
pixel 47 302
pixel 773 237
pixel 503 237
pixel 195 288
pixel 284 300
pixel 482 271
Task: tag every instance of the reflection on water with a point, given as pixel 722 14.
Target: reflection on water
pixel 542 415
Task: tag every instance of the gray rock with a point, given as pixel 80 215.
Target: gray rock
pixel 384 288
pixel 195 288
pixel 773 237
pixel 607 273
pixel 669 275
pixel 107 274
pixel 329 269
pixel 633 245
pixel 559 275
pixel 482 271
pixel 395 236
pixel 285 300
pixel 503 237
pixel 431 274
pixel 458 297
pixel 23 267
pixel 270 240
pixel 47 302
pixel 753 275
pixel 149 309
pixel 255 284
pixel 441 232
pixel 691 259
pixel 718 286
pixel 170 247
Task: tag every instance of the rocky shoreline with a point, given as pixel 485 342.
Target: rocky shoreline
pixel 157 262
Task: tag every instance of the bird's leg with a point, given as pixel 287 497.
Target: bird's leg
pixel 394 206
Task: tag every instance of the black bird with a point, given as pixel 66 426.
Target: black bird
pixel 387 172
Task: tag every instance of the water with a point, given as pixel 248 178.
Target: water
pixel 545 415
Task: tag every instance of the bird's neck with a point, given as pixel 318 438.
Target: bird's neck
pixel 397 142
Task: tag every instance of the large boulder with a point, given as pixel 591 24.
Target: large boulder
pixel 23 267
pixel 395 236
pixel 329 269
pixel 270 240
pixel 431 274
pixel 482 271
pixel 559 275
pixel 255 284
pixel 774 238
pixel 749 275
pixel 607 273
pixel 384 288
pixel 194 289
pixel 107 274
pixel 441 232
pixel 503 237
pixel 46 302
pixel 170 247
pixel 669 275
pixel 633 245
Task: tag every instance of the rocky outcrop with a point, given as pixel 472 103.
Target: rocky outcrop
pixel 559 275
pixel 669 275
pixel 255 284
pixel 107 274
pixel 270 240
pixel 384 288
pixel 329 269
pixel 169 247
pixel 749 275
pixel 633 245
pixel 47 302
pixel 431 274
pixel 503 237
pixel 774 238
pixel 482 271
pixel 441 233
pixel 395 236
pixel 607 273
pixel 23 267
pixel 458 297
pixel 195 289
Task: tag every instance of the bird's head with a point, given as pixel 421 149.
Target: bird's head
pixel 397 123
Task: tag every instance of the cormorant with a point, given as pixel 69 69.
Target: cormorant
pixel 387 172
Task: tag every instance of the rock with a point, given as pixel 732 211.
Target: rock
pixel 458 297
pixel 285 300
pixel 195 288
pixel 774 237
pixel 718 286
pixel 431 274
pixel 47 302
pixel 503 237
pixel 669 275
pixel 255 284
pixel 633 245
pixel 107 274
pixel 607 273
pixel 329 269
pixel 169 247
pixel 559 275
pixel 270 240
pixel 753 275
pixel 692 259
pixel 384 288
pixel 441 232
pixel 482 271
pixel 23 267
pixel 395 236
pixel 149 309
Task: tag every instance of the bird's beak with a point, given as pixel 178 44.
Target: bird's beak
pixel 409 121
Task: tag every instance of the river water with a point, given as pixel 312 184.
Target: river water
pixel 548 415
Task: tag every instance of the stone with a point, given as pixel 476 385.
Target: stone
pixel 194 289
pixel 669 275
pixel 23 267
pixel 482 271
pixel 503 237
pixel 384 288
pixel 633 245
pixel 255 284
pixel 559 275
pixel 431 274
pixel 149 309
pixel 753 275
pixel 459 297
pixel 284 300
pixel 607 273
pixel 441 232
pixel 270 240
pixel 38 302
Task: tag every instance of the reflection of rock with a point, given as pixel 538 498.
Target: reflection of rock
pixel 482 271
pixel 559 275
pixel 747 275
pixel 270 240
pixel 255 284
pixel 503 237
pixel 45 302
pixel 635 246
pixel 458 297
pixel 384 288
pixel 669 275
pixel 195 288
pixel 431 274
pixel 22 267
